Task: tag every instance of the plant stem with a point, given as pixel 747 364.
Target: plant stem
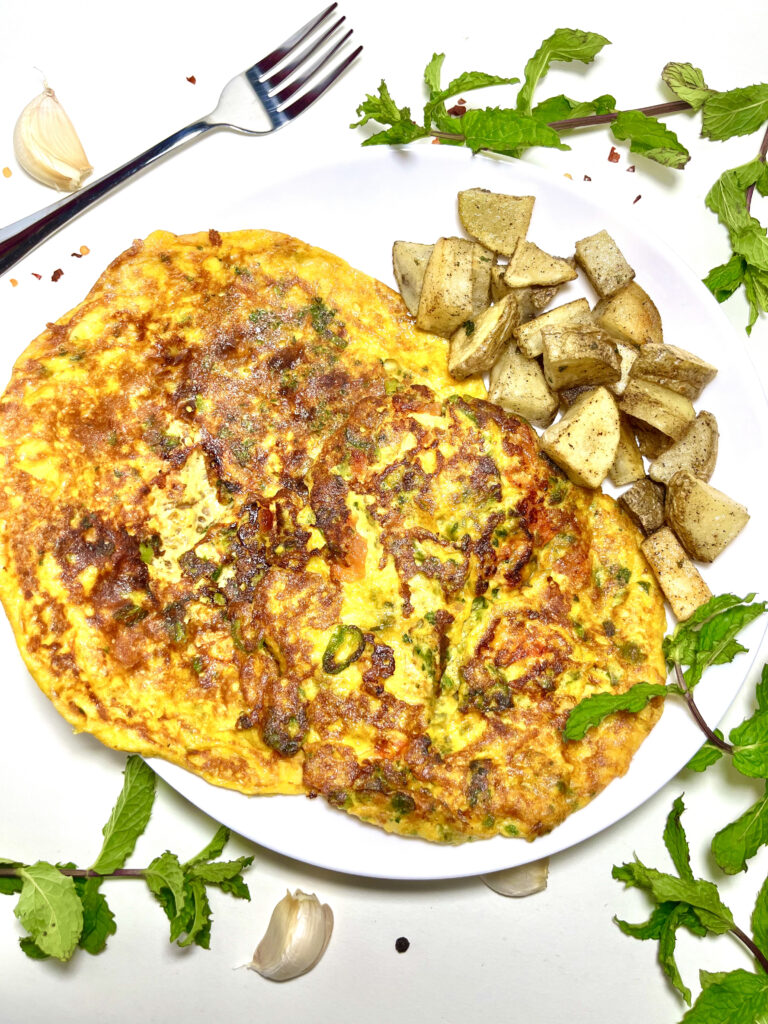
pixel 751 947
pixel 760 156
pixel 713 739
pixel 83 873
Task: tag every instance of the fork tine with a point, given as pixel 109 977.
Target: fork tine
pixel 288 70
pixel 264 65
pixel 302 80
pixel 301 104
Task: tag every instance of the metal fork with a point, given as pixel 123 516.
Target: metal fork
pixel 253 103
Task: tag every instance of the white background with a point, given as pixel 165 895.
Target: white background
pixel 474 956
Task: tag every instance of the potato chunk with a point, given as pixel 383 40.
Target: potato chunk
pixel 630 315
pixel 530 339
pixel 517 384
pixel 628 464
pixel 696 451
pixel 584 440
pixel 535 299
pixel 456 285
pixel 496 220
pixel 644 504
pixel 601 260
pixel 530 265
pixel 477 343
pixel 673 368
pixel 676 574
pixel 579 354
pixel 627 357
pixel 657 407
pixel 705 519
pixel 409 263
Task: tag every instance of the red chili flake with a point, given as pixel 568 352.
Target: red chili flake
pixel 435 142
pixel 57 274
pixel 77 255
pixel 636 199
pixel 614 155
pixel 457 111
pixel 631 168
pixel 191 79
pixel 38 276
pixel 587 178
pixel 14 282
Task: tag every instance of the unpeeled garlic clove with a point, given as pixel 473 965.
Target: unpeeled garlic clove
pixel 522 881
pixel 297 935
pixel 47 146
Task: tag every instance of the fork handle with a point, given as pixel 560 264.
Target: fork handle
pixel 21 237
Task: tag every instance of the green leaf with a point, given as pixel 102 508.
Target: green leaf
pixel 735 844
pixel 737 997
pixel 724 280
pixel 506 130
pixel 565 44
pixel 701 895
pixel 667 942
pixel 676 842
pixel 466 82
pixel 400 134
pixel 761 690
pixel 706 755
pixel 165 878
pixel 759 920
pixel 561 108
pixel 31 949
pixel 727 197
pixel 50 909
pixel 653 927
pixel 432 74
pixel 756 288
pixel 213 849
pixel 750 741
pixel 687 83
pixel 10 884
pixel 592 710
pixel 649 137
pixel 98 919
pixel 736 112
pixel 129 816
pixel 383 109
pixel 194 922
pixel 221 871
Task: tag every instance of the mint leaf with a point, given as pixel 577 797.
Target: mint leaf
pixel 737 997
pixel 10 884
pixel 706 755
pixel 466 82
pixel 194 919
pixel 432 74
pixel 653 927
pixel 756 288
pixel 750 743
pixel 383 109
pixel 759 920
pixel 761 690
pixel 592 710
pixel 50 909
pixel 701 895
pixel 31 949
pixel 649 137
pixel 667 942
pixel 98 919
pixel 129 816
pixel 504 131
pixel 738 842
pixel 565 44
pixel 676 842
pixel 400 134
pixel 687 83
pixel 213 849
pixel 165 878
pixel 724 280
pixel 727 197
pixel 561 108
pixel 736 112
pixel 221 871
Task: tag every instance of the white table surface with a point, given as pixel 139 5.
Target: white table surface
pixel 121 72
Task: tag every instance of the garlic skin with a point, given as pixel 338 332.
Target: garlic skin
pixel 522 881
pixel 47 146
pixel 297 935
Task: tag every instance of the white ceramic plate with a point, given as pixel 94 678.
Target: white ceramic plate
pixel 356 210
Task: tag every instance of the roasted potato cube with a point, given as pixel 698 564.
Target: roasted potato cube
pixel 456 285
pixel 704 519
pixel 601 260
pixel 673 368
pixel 409 262
pixel 528 334
pixel 534 300
pixel 676 574
pixel 517 384
pixel 569 395
pixel 579 354
pixel 628 464
pixel 650 441
pixel 497 221
pixel 584 440
pixel 657 407
pixel 696 451
pixel 644 504
pixel 477 343
pixel 627 357
pixel 530 265
pixel 498 286
pixel 630 315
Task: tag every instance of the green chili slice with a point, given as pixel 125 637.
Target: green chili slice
pixel 345 646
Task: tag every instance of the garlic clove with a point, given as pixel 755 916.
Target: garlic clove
pixel 522 881
pixel 47 146
pixel 297 935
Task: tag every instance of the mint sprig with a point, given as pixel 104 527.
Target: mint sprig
pixel 514 129
pixel 62 908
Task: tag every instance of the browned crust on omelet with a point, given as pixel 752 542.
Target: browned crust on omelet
pixel 236 457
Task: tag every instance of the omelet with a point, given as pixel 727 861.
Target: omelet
pixel 250 525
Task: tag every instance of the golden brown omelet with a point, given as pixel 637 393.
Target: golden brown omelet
pixel 249 525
